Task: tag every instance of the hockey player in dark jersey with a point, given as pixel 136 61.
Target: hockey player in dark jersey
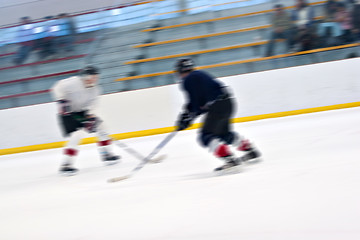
pixel 207 96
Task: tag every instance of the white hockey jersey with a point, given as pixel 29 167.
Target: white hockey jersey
pixel 81 98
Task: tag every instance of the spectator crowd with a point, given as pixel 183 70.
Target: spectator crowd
pixel 302 30
pixel 52 38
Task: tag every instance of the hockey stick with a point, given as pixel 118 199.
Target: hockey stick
pixel 146 159
pixel 137 154
pixel 129 149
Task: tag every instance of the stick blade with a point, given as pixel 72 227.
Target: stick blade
pixel 158 159
pixel 118 179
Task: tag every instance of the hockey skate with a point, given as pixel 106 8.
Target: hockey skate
pixel 223 152
pixel 109 159
pixel 67 170
pixel 230 164
pixel 251 153
pixel 251 156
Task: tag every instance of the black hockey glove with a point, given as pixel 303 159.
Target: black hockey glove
pixel 64 107
pixel 184 121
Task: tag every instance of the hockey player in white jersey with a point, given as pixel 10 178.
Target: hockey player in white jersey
pixel 77 97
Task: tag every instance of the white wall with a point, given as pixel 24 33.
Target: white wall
pixel 257 93
pixel 296 88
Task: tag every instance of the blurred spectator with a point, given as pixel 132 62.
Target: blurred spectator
pixel 329 30
pixel 307 39
pixel 350 3
pixel 25 39
pixel 303 18
pixel 343 17
pixel 281 29
pixel 330 9
pixel 356 20
pixel 303 14
pixel 46 44
pixel 67 34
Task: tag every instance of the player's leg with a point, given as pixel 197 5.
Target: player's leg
pixel 70 153
pixel 215 126
pixel 234 139
pixel 105 145
pixel 71 129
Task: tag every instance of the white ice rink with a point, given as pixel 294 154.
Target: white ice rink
pixel 307 187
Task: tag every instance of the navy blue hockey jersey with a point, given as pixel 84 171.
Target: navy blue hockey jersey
pixel 201 89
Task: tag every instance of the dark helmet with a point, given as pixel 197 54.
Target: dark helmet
pixel 89 70
pixel 184 65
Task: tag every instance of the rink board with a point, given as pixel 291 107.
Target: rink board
pixel 268 94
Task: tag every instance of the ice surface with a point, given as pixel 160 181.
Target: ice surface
pixel 307 187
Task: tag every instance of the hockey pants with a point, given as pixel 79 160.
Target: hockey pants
pixel 217 123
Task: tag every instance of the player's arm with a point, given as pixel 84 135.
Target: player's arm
pixel 60 92
pixel 190 109
pixel 193 90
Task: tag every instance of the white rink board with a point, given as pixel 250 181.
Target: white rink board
pixel 257 93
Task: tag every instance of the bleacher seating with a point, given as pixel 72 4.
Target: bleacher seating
pixel 29 83
pixel 267 63
pixel 228 43
pixel 257 29
pixel 23 99
pixel 202 57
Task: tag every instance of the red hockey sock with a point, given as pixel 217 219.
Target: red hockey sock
pixel 104 143
pixel 70 152
pixel 222 151
pixel 244 145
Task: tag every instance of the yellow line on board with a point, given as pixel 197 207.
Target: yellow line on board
pixel 296 112
pixel 156 131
